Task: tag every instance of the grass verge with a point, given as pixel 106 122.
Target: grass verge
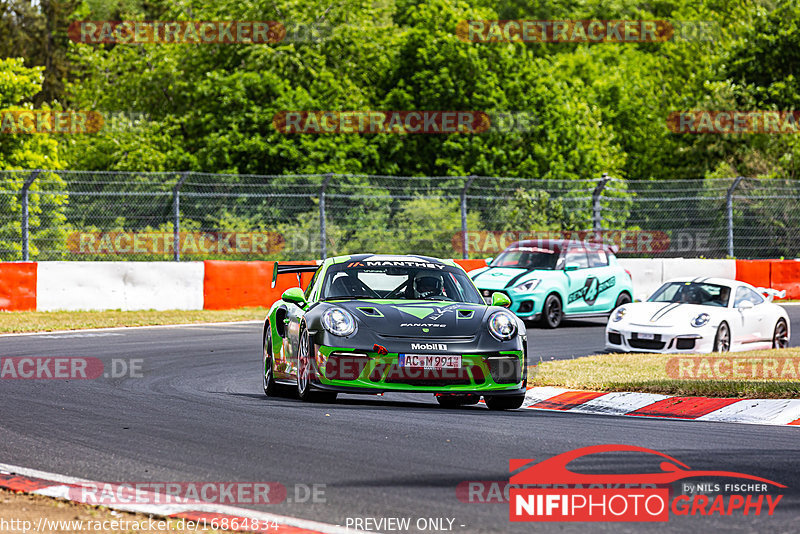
pixel 24 513
pixel 29 321
pixel 655 373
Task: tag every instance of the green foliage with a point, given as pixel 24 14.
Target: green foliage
pixel 597 107
pixel 18 84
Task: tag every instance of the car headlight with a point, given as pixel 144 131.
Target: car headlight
pixel 530 285
pixel 700 320
pixel 619 314
pixel 503 325
pixel 338 322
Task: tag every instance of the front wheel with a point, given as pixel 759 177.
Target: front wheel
pixel 622 299
pixel 780 338
pixel 722 341
pixel 304 373
pixel 268 378
pixel 504 402
pixel 551 311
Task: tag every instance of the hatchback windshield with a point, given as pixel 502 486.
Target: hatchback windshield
pixel 693 293
pixel 527 258
pixel 405 282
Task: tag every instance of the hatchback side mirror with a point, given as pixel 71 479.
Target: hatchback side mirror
pixel 295 296
pixel 501 299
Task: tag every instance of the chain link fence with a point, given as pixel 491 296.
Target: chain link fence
pixel 78 215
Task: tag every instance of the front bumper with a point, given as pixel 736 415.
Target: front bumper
pixel 354 371
pixel 631 338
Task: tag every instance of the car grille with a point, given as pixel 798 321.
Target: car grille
pixel 504 370
pixel 684 343
pixel 614 338
pixel 649 344
pixel 342 367
pixel 427 377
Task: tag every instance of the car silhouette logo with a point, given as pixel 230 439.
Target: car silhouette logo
pixel 554 470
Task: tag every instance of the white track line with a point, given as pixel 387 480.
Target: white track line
pixel 117 328
pixel 166 510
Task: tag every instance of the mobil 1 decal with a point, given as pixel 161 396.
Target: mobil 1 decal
pixel 591 289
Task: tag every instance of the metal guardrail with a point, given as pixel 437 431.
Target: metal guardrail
pixel 82 215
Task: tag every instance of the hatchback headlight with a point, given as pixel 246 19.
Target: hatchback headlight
pixel 338 322
pixel 700 320
pixel 503 325
pixel 530 285
pixel 619 314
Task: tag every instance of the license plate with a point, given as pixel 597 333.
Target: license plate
pixel 646 336
pixel 430 361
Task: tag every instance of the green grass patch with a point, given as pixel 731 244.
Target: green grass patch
pixel 13 322
pixel 648 373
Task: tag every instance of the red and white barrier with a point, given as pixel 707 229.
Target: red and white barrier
pixel 219 285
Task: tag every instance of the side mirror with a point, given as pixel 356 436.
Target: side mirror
pixel 500 299
pixel 295 296
pixel 571 267
pixel 746 305
pixel 488 260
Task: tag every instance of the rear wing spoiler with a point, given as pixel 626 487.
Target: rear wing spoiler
pixel 771 293
pixel 292 268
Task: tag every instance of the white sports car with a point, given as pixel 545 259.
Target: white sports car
pixel 700 315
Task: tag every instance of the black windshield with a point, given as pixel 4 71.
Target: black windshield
pixel 442 282
pixel 527 258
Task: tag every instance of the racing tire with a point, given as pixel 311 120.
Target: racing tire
pixel 504 402
pixel 780 337
pixel 552 311
pixel 268 378
pixel 722 341
pixel 622 299
pixel 455 401
pixel 304 373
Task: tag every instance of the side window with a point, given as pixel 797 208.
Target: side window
pixel 578 257
pixel 598 258
pixel 747 294
pixel 313 281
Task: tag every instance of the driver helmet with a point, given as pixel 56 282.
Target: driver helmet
pixel 428 285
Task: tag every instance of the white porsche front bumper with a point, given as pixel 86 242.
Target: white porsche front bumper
pixel 635 338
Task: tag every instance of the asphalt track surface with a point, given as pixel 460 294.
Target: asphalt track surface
pixel 197 414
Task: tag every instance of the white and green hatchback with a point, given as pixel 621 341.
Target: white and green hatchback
pixel 550 280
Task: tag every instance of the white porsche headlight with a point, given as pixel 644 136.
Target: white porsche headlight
pixel 530 285
pixel 502 325
pixel 700 320
pixel 619 314
pixel 338 322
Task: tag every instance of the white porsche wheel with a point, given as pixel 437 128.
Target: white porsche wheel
pixel 780 338
pixel 722 342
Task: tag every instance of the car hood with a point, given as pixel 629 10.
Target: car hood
pixel 417 318
pixel 667 313
pixel 499 277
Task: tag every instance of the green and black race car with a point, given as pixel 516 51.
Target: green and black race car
pixel 372 324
